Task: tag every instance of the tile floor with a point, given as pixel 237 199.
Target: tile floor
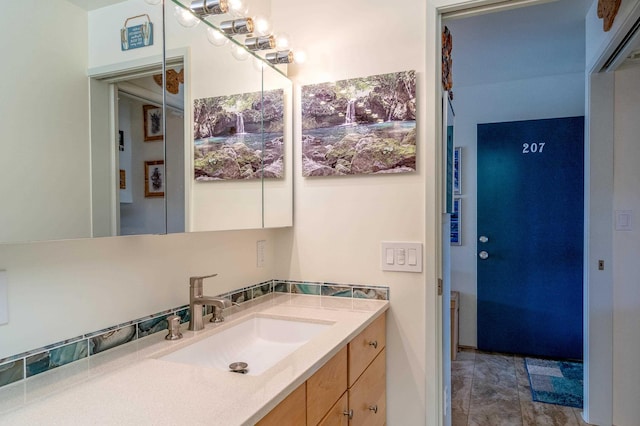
pixel 491 389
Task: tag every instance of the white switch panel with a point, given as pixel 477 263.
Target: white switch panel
pixel 401 256
pixel 4 296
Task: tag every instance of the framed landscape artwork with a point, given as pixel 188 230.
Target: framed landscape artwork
pixel 239 136
pixel 360 126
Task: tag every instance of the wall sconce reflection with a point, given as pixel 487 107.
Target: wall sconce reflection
pixel 204 8
pixel 260 43
pixel 281 57
pixel 237 26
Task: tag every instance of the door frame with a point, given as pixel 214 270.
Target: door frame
pixel 103 82
pixel 598 298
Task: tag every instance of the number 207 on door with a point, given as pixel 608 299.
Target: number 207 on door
pixel 532 148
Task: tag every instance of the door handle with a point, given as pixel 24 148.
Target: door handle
pixel 483 239
pixel 483 255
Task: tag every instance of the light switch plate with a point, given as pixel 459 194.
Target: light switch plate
pixel 4 298
pixel 407 256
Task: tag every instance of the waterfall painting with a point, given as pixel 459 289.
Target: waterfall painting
pixel 239 136
pixel 360 126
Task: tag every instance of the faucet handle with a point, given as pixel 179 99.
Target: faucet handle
pixel 194 280
pixel 173 327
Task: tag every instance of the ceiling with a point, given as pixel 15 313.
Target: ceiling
pixel 522 43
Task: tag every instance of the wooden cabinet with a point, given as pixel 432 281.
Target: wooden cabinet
pixel 367 397
pixel 336 416
pixel 365 347
pixel 326 386
pixel 349 390
pixel 290 412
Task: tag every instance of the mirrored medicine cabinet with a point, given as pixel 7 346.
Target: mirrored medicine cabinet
pixel 94 142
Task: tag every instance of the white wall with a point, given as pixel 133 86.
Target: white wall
pixel 62 289
pixel 546 97
pixel 626 246
pixel 340 221
pixel 44 153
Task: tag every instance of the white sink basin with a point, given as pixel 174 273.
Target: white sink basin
pixel 259 341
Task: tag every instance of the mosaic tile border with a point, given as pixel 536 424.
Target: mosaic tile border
pixel 27 364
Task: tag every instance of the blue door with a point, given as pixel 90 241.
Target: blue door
pixel 530 229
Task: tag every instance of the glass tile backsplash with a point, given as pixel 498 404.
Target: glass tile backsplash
pixel 27 364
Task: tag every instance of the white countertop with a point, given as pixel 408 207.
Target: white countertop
pixel 128 385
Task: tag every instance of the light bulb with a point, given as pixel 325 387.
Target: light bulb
pixel 185 17
pixel 238 8
pixel 261 25
pixel 239 52
pixel 216 38
pixel 299 56
pixel 259 64
pixel 283 41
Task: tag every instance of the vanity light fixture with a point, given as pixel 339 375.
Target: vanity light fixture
pixel 260 43
pixel 216 37
pixel 204 8
pixel 280 57
pixel 185 17
pixel 283 41
pixel 238 8
pixel 239 52
pixel 257 29
pixel 262 25
pixel 237 26
pixel 299 56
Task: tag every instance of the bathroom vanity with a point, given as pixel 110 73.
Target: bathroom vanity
pixel 350 389
pixel 336 377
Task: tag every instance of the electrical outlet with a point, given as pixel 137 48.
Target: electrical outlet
pixel 260 253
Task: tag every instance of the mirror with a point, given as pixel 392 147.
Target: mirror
pixel 240 132
pixel 59 152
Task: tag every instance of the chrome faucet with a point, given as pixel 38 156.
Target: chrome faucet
pixel 197 300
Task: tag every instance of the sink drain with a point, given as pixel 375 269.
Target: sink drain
pixel 239 367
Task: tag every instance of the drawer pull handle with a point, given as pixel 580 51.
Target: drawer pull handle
pixel 373 408
pixel 374 344
pixel 349 414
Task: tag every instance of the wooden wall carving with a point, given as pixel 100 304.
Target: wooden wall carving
pixel 174 79
pixel 447 62
pixel 607 11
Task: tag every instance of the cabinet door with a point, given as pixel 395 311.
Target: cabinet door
pixel 365 346
pixel 336 416
pixel 326 386
pixel 367 397
pixel 290 412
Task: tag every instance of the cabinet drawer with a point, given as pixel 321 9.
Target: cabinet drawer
pixel 290 412
pixel 367 397
pixel 326 386
pixel 336 416
pixel 365 346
